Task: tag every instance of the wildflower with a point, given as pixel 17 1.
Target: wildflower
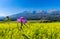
pixel 22 20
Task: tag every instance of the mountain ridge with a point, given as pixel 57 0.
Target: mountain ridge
pixel 36 16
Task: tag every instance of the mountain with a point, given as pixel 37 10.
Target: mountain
pixel 41 15
pixel 29 15
pixel 2 18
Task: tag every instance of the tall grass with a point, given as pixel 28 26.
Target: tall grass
pixel 30 31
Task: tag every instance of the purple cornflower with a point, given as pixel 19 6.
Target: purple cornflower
pixel 22 19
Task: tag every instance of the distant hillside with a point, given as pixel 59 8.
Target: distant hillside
pixel 50 15
pixel 54 15
pixel 2 18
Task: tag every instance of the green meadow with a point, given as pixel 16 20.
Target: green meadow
pixel 32 30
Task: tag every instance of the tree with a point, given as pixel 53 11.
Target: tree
pixel 7 18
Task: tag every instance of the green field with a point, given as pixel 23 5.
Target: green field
pixel 12 30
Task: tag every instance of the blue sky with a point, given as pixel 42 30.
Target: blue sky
pixel 9 7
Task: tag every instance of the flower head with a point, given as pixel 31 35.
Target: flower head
pixel 22 19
